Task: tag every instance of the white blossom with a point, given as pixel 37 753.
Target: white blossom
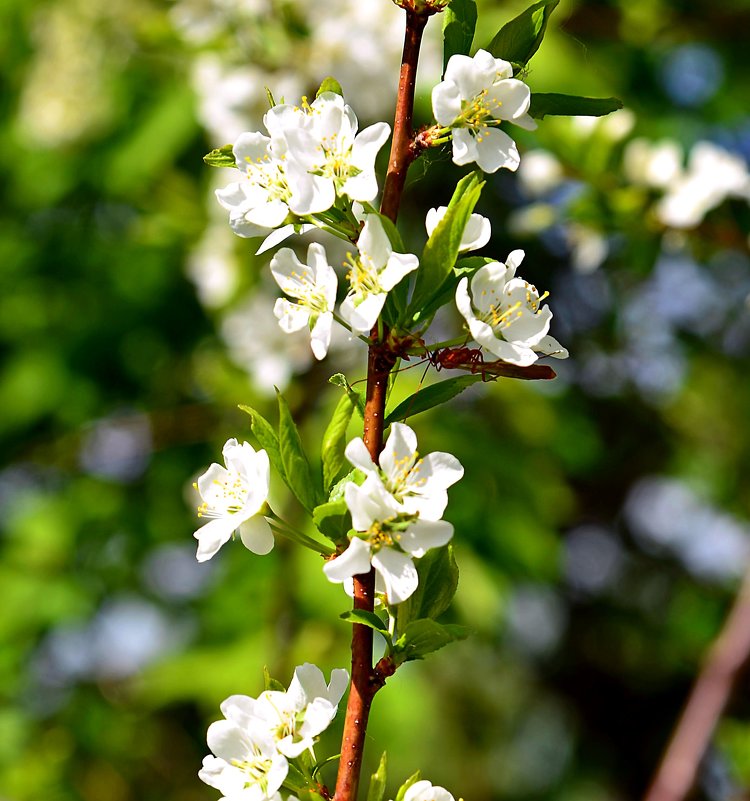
pixel 314 286
pixel 475 95
pixel 246 765
pixel 388 539
pixel 426 791
pixel 323 138
pixel 504 314
pixel 294 718
pixel 475 235
pixel 419 484
pixel 233 497
pixel 372 274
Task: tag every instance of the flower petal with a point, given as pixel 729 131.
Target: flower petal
pixel 549 346
pixel 353 562
pixel 212 536
pixel 256 535
pixel 398 266
pixel 496 150
pixel 446 102
pixel 398 573
pixel 291 316
pixel 320 336
pixel 362 316
pixel 356 452
pixel 425 534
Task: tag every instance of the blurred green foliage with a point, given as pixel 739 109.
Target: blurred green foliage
pixel 603 521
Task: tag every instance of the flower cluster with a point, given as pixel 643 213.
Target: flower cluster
pixel 396 513
pixel 311 155
pixel 252 746
pixel 372 273
pixel 474 97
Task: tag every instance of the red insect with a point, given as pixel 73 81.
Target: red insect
pixel 456 357
pixel 471 359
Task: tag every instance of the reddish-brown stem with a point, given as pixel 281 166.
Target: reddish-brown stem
pixel 366 680
pixel 402 146
pixel 728 656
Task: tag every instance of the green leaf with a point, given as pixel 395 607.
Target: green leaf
pixel 267 438
pixel 339 380
pixel 422 637
pixel 394 237
pixel 330 84
pixel 221 157
pixel 337 490
pixel 376 791
pixel 369 619
pixel 332 519
pixel 270 683
pixel 441 250
pixel 413 779
pixel 459 24
pixel 296 467
pixel 554 104
pixel 438 581
pixel 430 396
pixel 334 440
pixel 519 39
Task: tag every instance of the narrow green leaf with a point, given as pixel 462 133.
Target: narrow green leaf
pixel 339 380
pixel 332 519
pixel 296 467
pixel 295 780
pixel 544 103
pixel 431 396
pixel 270 683
pixel 413 779
pixel 441 250
pixel 394 237
pixel 266 437
pixel 519 39
pixel 376 791
pixel 270 98
pixel 422 637
pixel 369 619
pixel 334 440
pixel 438 581
pixel 330 84
pixel 221 157
pixel 459 24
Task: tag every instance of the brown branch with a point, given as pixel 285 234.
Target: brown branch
pixel 690 739
pixel 402 146
pixel 366 680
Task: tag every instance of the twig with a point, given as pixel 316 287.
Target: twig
pixel 402 147
pixel 366 681
pixel 710 693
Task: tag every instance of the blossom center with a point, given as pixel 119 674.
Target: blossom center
pixel 362 279
pixel 504 313
pixel 255 769
pixel 309 294
pixel 478 112
pixel 230 498
pixel 270 177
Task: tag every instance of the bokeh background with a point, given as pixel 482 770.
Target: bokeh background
pixel 603 524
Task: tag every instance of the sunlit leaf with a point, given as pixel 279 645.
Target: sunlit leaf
pixel 544 103
pixel 519 39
